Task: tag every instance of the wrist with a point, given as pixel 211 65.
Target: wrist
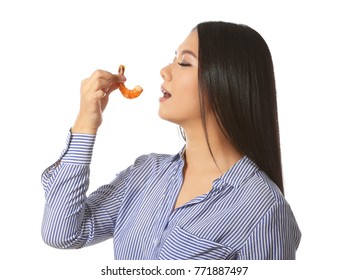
pixel 84 126
pixel 84 130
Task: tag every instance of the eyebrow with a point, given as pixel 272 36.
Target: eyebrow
pixel 188 52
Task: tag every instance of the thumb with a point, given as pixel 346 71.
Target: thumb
pixel 118 79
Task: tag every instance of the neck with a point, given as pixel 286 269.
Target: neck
pixel 198 155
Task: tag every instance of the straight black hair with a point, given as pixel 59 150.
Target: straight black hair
pixel 236 78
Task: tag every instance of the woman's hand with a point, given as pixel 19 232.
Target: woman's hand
pixel 95 92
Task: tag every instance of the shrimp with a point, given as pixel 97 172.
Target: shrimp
pixel 128 93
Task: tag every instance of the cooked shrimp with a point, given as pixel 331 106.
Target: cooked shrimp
pixel 128 93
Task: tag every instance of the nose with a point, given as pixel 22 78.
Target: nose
pixel 165 73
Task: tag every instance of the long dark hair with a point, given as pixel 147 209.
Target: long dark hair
pixel 236 78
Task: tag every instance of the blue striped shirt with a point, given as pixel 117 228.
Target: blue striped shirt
pixel 244 215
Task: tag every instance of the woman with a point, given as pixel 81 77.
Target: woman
pixel 220 197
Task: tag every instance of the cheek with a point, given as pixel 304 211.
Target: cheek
pixel 188 94
pixel 188 89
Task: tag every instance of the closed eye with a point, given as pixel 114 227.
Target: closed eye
pixel 184 64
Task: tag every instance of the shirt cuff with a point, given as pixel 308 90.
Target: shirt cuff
pixel 79 149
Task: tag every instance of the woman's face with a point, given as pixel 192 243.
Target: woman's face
pixel 180 102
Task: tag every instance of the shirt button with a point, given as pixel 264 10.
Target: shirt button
pixel 156 242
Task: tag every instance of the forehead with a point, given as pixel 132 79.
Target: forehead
pixel 190 43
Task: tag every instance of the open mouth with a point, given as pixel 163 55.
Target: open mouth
pixel 166 94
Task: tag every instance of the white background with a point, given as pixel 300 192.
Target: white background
pixel 48 47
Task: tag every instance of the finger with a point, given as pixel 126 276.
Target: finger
pixel 99 95
pixel 100 84
pixel 112 87
pixel 101 74
pixel 118 79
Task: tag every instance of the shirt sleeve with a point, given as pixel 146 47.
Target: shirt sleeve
pixel 276 236
pixel 71 219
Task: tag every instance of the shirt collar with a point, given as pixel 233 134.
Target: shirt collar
pixel 239 172
pixel 235 176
